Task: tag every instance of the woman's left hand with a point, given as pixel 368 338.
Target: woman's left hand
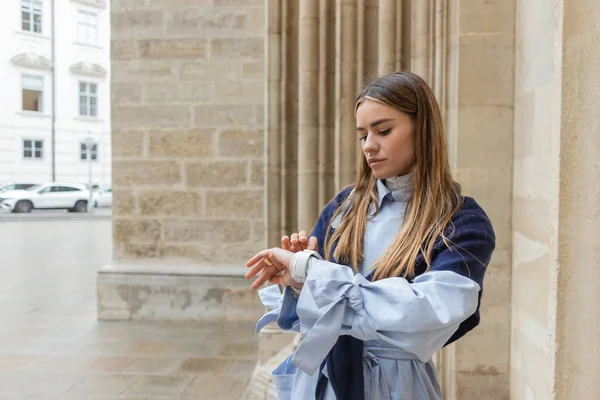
pixel 280 260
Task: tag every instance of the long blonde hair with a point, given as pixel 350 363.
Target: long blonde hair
pixel 436 197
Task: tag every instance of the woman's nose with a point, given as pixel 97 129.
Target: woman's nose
pixel 369 145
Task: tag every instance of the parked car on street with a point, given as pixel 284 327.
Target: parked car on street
pixel 103 197
pixel 49 196
pixel 21 185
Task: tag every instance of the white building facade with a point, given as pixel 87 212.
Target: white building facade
pixel 55 90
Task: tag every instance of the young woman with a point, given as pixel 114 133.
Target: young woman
pixel 399 266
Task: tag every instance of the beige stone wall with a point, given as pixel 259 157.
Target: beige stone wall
pixel 577 278
pixel 556 283
pixel 536 174
pixel 187 119
pixel 480 128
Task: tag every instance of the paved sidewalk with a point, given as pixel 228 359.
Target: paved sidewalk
pixel 52 347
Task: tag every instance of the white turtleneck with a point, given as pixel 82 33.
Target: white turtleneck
pixel 382 229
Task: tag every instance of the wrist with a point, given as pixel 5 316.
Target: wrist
pixel 300 263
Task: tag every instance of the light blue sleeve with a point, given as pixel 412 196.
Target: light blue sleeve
pixel 282 307
pixel 416 317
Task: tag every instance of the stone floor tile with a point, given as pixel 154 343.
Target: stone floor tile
pixel 247 350
pixel 15 362
pixel 152 385
pixel 214 387
pixel 104 384
pixel 152 365
pixel 147 348
pixel 242 369
pixel 196 349
pixel 203 365
pixel 34 383
pixel 103 364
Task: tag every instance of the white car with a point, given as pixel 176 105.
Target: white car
pixel 21 185
pixel 50 196
pixel 103 197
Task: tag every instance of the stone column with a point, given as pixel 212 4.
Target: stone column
pixel 388 36
pixel 480 95
pixel 577 348
pixel 345 92
pixel 308 113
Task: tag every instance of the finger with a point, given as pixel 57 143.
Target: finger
pixel 258 257
pixel 313 243
pixel 294 239
pixel 255 269
pixel 285 243
pixel 303 236
pixel 266 274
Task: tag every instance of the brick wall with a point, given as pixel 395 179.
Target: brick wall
pixel 187 117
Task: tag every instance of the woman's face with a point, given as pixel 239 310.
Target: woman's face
pixel 387 138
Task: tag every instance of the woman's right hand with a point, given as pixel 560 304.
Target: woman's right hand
pixel 299 242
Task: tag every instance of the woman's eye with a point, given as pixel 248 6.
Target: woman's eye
pixel 385 132
pixel 360 139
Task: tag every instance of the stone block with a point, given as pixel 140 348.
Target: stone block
pixel 485 137
pixel 128 5
pixel 239 203
pixel 258 231
pixel 225 115
pixel 127 173
pixel 213 231
pixel 239 2
pixel 125 93
pixel 248 91
pixel 486 17
pixel 241 48
pixel 127 143
pixel 259 114
pixel 151 116
pixel 161 92
pixel 170 49
pixel 216 174
pixel 232 253
pixel 137 250
pixel 198 293
pixel 241 142
pixel 208 22
pixel 185 143
pixel 124 50
pixel 253 70
pixel 137 71
pixel 112 301
pixel 175 4
pixel 169 203
pixel 197 92
pixel 486 70
pixel 137 23
pixel 127 229
pixel 257 173
pixel 210 70
pixel 123 202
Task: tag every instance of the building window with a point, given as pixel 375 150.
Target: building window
pixel 87 27
pixel 83 152
pixel 88 99
pixel 31 15
pixel 33 149
pixel 32 89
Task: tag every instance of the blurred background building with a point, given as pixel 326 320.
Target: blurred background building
pixel 232 124
pixel 55 73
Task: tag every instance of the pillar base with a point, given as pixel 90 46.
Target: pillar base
pixel 148 290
